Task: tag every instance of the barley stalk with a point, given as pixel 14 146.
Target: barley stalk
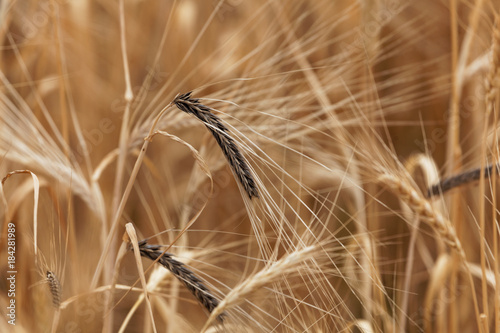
pixel 492 88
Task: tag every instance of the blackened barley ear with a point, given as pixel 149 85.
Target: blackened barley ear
pixel 221 134
pixel 188 278
pixel 457 180
pixel 55 288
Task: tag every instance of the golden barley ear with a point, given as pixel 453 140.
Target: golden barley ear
pixel 187 277
pixel 220 132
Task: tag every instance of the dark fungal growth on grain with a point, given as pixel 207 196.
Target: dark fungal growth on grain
pixel 222 135
pixel 55 288
pixel 188 278
pixel 460 179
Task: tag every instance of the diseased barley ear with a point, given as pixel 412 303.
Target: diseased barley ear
pixel 220 132
pixel 457 180
pixel 55 288
pixel 187 277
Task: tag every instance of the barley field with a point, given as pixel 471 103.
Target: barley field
pixel 249 166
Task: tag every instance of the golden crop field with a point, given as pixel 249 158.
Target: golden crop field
pixel 249 166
